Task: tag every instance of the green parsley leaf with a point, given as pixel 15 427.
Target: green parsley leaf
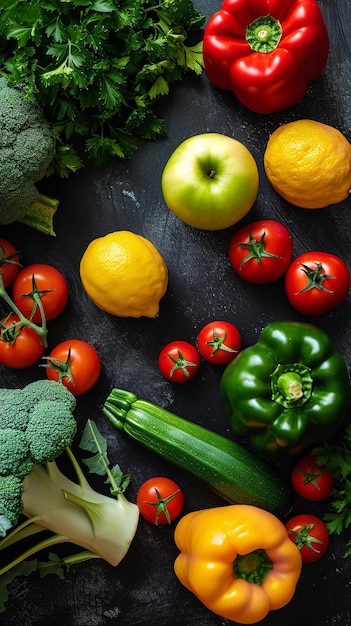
pixel 337 458
pixel 193 57
pixel 99 66
pixel 65 162
pixel 159 88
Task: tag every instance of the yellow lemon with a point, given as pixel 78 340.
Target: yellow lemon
pixel 124 274
pixel 309 164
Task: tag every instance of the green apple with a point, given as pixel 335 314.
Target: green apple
pixel 210 181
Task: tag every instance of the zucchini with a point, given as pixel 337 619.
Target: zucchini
pixel 233 472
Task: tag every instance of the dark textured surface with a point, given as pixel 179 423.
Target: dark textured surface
pixel 202 287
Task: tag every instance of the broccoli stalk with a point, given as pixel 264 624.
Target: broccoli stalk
pixel 74 513
pixel 40 214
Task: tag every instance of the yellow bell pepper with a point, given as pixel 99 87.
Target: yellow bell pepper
pixel 238 560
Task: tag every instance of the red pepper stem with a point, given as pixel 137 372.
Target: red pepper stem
pixel 264 34
pixel 253 567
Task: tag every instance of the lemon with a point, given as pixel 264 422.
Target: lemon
pixel 309 164
pixel 124 274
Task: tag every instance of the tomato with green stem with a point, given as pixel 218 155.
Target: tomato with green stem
pixel 312 481
pixel 310 535
pixel 219 342
pixel 75 363
pixel 179 361
pixel 160 500
pixel 261 252
pixel 317 282
pixel 44 282
pixel 20 346
pixel 9 262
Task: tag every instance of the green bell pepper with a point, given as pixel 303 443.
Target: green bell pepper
pixel 289 390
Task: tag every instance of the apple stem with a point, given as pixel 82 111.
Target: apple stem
pixel 211 173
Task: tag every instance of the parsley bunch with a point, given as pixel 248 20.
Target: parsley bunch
pixel 337 458
pixel 97 67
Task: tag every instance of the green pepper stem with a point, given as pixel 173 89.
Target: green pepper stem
pixel 291 384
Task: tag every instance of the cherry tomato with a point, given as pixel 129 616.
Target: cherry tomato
pixel 219 342
pixel 312 481
pixel 9 262
pixel 160 500
pixel 50 285
pixel 179 361
pixel 261 252
pixel 317 282
pixel 76 363
pixel 310 535
pixel 24 349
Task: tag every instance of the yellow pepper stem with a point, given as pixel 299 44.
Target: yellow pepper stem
pixel 253 567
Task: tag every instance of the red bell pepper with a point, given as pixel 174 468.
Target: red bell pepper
pixel 266 51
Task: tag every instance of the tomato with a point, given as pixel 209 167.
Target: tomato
pixel 160 500
pixel 261 252
pixel 23 349
pixel 50 285
pixel 219 342
pixel 310 535
pixel 317 282
pixel 312 481
pixel 76 363
pixel 179 361
pixel 9 262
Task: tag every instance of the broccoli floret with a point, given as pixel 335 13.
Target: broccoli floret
pixel 14 453
pixel 47 390
pixel 36 425
pixel 50 430
pixel 11 488
pixel 27 148
pixel 17 404
pixel 13 412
